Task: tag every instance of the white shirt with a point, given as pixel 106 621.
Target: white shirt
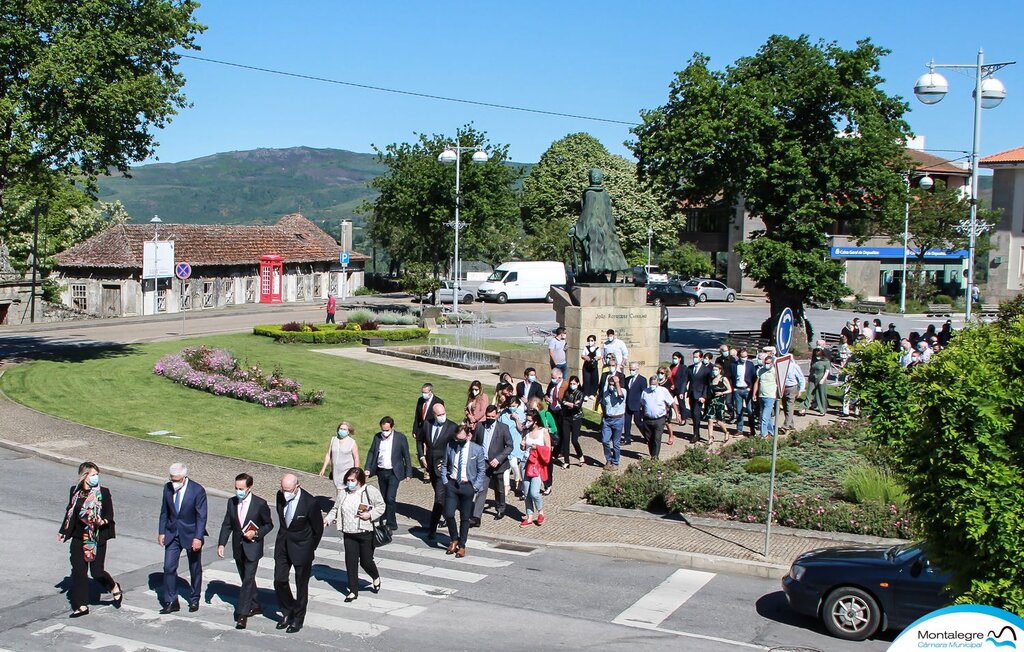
pixel 461 459
pixel 384 452
pixel 289 508
pixel 655 401
pixel 618 347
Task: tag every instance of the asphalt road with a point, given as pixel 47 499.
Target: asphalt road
pixel 497 597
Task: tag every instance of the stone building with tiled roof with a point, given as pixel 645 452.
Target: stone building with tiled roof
pixel 1006 258
pixel 103 275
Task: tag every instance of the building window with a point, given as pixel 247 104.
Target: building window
pixel 78 300
pixel 300 287
pixel 250 290
pixel 265 280
pixel 186 295
pixel 712 219
pixel 207 294
pixel 318 282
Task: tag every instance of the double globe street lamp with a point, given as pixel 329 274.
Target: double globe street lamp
pixel 989 92
pixel 454 155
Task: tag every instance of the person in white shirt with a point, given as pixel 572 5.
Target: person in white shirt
pixel 617 347
pixel 656 404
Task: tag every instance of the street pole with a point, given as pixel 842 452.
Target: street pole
pixel 35 264
pixel 775 455
pixel 458 200
pixel 650 236
pixel 906 235
pixel 156 264
pixel 974 184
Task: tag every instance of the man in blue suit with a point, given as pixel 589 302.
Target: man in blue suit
pixel 182 527
pixel 635 386
pixel 463 475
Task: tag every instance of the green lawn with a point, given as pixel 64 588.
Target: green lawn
pixel 119 392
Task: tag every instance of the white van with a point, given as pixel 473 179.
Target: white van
pixel 522 280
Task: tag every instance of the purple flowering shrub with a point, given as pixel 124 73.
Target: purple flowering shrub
pixel 218 372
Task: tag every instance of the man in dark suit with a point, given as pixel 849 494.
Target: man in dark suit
pixel 389 460
pixel 182 527
pixel 248 522
pixel 635 386
pixel 302 527
pixel 529 388
pixel 496 440
pixel 431 443
pixel 698 376
pixel 464 474
pixel 742 376
pixel 425 407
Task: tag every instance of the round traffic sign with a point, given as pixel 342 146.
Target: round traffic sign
pixel 784 332
pixel 183 270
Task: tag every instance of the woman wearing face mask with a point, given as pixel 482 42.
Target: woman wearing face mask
pixel 591 355
pixel 476 404
pixel 513 415
pixel 667 380
pixel 342 454
pixel 537 445
pixel 547 420
pixel 355 510
pixel 504 379
pixel 719 388
pixel 88 525
pixel 572 419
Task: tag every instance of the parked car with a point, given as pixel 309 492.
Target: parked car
pixel 647 274
pixel 666 294
pixel 699 290
pixel 445 293
pixel 522 280
pixel 859 591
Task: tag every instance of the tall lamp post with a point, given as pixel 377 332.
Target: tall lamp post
pixel 454 155
pixel 650 237
pixel 156 221
pixel 925 183
pixel 989 92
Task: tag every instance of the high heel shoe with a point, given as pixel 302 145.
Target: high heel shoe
pixel 117 594
pixel 351 597
pixel 376 585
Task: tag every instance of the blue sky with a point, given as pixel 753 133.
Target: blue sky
pixel 604 59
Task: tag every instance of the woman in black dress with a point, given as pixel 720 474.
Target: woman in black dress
pixel 88 525
pixel 591 356
pixel 572 418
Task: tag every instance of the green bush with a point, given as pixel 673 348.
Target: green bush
pixel 358 317
pixel 390 318
pixel 339 336
pixel 865 483
pixel 763 464
pixel 746 448
pixel 698 460
pixel 363 291
pixel 642 486
pixel 883 388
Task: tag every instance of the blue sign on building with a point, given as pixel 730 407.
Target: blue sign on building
pixel 878 253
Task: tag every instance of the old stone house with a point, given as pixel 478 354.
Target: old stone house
pixel 292 261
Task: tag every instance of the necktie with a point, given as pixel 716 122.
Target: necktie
pixel 177 500
pixel 425 404
pixel 458 464
pixel 433 437
pixel 289 511
pixel 241 513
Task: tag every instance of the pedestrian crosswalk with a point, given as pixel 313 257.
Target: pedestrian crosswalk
pixel 415 577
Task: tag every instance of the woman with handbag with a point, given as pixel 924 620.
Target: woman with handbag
pixel 88 525
pixel 547 420
pixel 537 444
pixel 357 510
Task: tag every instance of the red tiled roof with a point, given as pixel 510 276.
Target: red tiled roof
pixel 1015 155
pixel 294 238
pixel 936 164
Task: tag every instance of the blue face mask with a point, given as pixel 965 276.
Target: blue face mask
pixel 94 480
pixel 351 485
pixel 241 493
pixel 342 433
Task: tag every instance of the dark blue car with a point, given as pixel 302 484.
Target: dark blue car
pixel 859 591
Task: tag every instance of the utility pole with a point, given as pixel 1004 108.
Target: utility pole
pixel 35 263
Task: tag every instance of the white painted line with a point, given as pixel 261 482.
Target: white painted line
pixel 678 319
pixel 438 554
pixel 416 569
pixel 98 641
pixel 484 545
pixel 657 605
pixel 700 637
pixel 401 586
pixel 155 616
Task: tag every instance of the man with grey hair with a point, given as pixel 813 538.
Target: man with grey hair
pixel 182 527
pixel 301 528
pixel 635 386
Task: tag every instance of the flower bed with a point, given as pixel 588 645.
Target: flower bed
pixel 218 372
pixel 717 483
pixel 329 334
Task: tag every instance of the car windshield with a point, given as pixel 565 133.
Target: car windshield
pixel 497 275
pixel 900 554
pixel 692 284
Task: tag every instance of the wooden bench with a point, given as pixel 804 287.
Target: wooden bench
pixel 939 310
pixel 989 309
pixel 750 339
pixel 870 307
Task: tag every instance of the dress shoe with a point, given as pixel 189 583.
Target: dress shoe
pixel 461 553
pixel 285 623
pixel 193 607
pixel 351 597
pixel 474 522
pixel 240 623
pixel 452 547
pixel 294 627
pixel 78 613
pixel 170 608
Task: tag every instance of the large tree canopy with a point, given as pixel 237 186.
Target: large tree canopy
pixel 84 83
pixel 411 215
pixel 553 190
pixel 800 132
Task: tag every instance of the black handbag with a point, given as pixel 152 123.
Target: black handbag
pixel 381 534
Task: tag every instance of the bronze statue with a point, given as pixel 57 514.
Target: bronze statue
pixel 595 237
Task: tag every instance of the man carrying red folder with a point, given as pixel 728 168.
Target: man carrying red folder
pixel 248 522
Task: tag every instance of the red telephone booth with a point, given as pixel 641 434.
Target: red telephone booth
pixel 271 272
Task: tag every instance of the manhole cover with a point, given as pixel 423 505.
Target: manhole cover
pixel 513 547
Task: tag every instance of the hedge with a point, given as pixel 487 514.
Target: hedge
pixel 339 336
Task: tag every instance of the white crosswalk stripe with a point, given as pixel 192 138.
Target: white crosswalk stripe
pixel 658 604
pixel 475 544
pixel 100 641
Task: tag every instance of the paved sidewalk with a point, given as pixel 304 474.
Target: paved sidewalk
pixel 705 544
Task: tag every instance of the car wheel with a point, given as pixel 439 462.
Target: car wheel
pixel 467 299
pixel 702 298
pixel 502 298
pixel 851 614
pixel 691 302
pixel 731 298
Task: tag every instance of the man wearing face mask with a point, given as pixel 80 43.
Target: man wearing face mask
pixel 616 346
pixel 247 521
pixel 464 475
pixel 698 375
pixel 431 444
pixel 389 461
pixel 425 407
pixel 656 405
pixel 182 527
pixel 496 441
pixel 529 389
pixel 635 386
pixel 302 527
pixel 742 376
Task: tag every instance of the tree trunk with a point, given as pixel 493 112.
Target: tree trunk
pixel 803 331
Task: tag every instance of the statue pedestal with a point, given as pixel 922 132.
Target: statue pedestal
pixel 591 309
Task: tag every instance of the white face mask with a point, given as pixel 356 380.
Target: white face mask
pixel 476 392
pixel 440 420
pixel 573 386
pixel 178 485
pixel 385 433
pixel 426 396
pixel 289 496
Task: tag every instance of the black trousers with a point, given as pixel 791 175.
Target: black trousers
pixel 439 500
pixel 293 607
pixel 563 436
pixel 696 413
pixel 459 496
pixel 80 569
pixel 388 483
pixel 248 594
pixel 496 482
pixel 627 425
pixel 654 428
pixel 359 552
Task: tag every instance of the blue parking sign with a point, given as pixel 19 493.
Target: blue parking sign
pixel 344 258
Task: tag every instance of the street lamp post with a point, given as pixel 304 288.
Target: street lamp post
pixel 454 155
pixel 156 221
pixel 989 92
pixel 926 183
pixel 650 236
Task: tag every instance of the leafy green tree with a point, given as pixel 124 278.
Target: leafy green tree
pixel 687 261
pixel 410 217
pixel 882 387
pixel 84 83
pixel 800 132
pixel 553 191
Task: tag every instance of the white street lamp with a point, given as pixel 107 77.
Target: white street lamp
pixel 454 155
pixel 156 222
pixel 925 183
pixel 650 236
pixel 989 92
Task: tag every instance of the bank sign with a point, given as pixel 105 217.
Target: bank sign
pixel 875 253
